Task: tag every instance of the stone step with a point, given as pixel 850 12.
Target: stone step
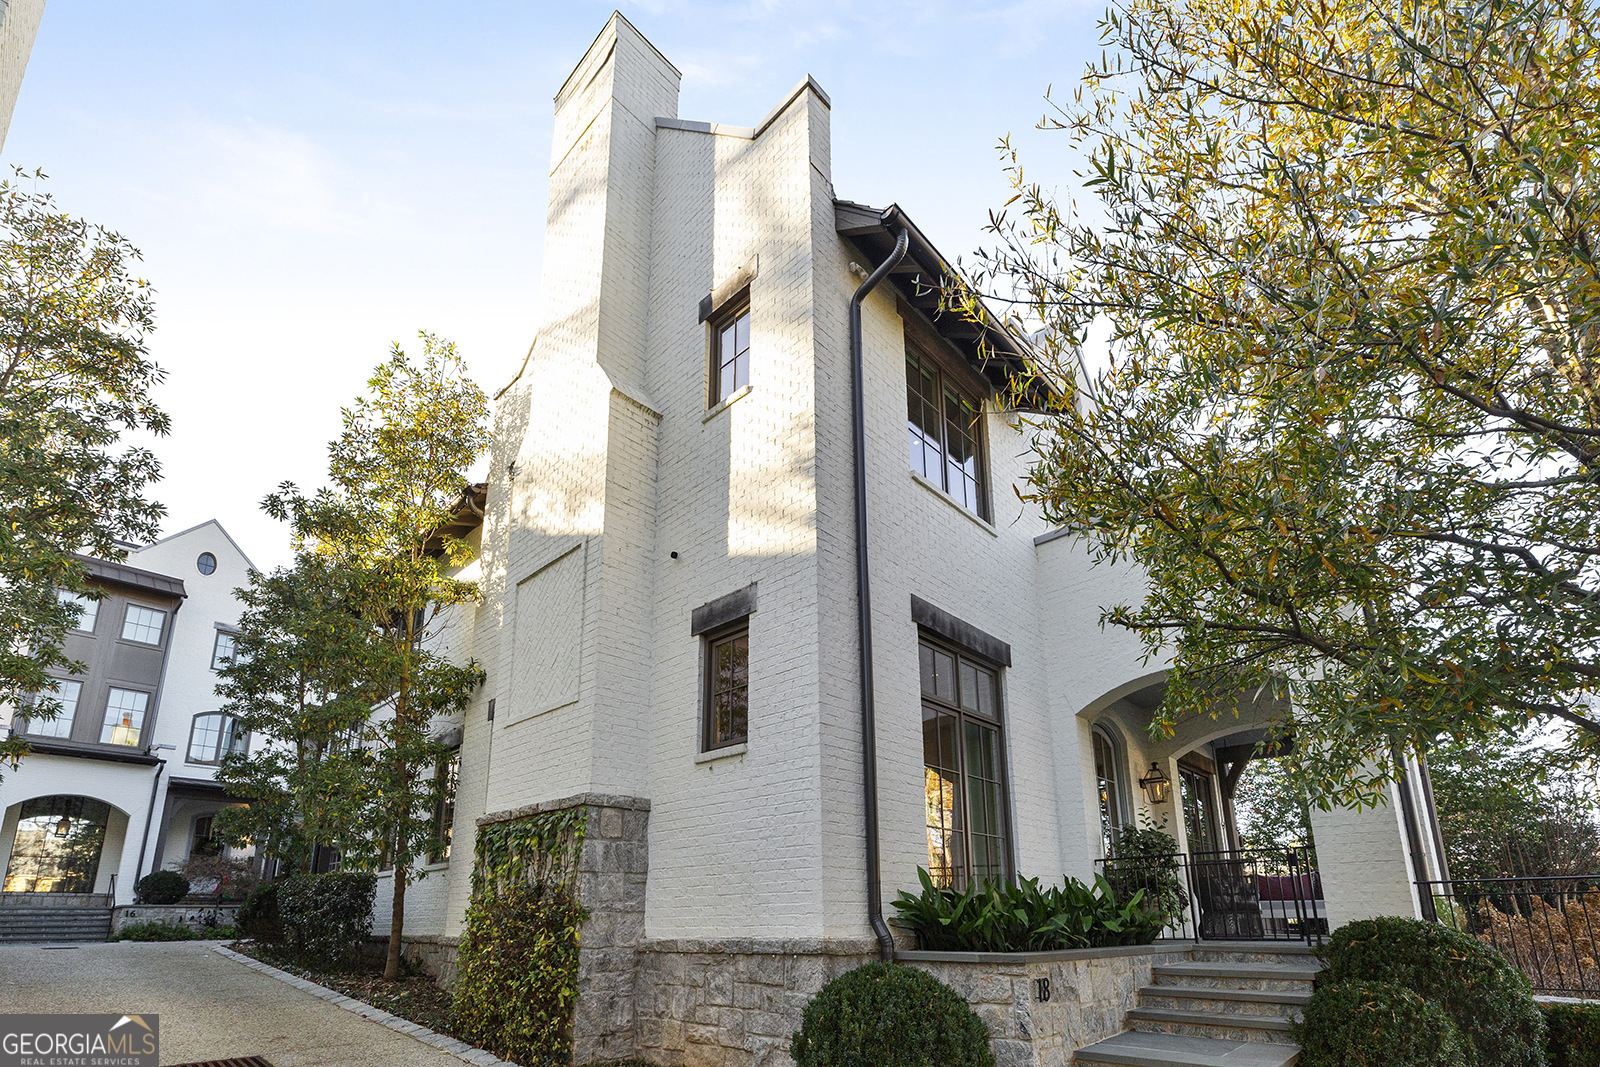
pixel 1280 1002
pixel 54 924
pixel 1253 952
pixel 1136 1049
pixel 1211 1024
pixel 1216 975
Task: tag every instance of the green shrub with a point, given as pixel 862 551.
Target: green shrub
pixel 1573 1034
pixel 1487 998
pixel 1146 857
pixel 884 1015
pixel 156 931
pixel 1022 917
pixel 258 916
pixel 1361 1024
pixel 327 917
pixel 517 973
pixel 161 887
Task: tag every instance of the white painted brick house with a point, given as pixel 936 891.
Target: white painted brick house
pixel 650 510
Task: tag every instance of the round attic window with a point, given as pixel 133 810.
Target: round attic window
pixel 206 563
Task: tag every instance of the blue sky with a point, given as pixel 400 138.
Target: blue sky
pixel 311 181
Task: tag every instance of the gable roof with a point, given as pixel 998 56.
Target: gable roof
pixel 209 522
pixel 991 348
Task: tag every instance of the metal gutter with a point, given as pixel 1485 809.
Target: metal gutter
pixel 869 745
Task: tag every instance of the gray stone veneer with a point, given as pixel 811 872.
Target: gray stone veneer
pixel 610 880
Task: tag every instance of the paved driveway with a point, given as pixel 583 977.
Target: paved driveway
pixel 210 1006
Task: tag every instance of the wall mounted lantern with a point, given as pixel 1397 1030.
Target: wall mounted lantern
pixel 1156 786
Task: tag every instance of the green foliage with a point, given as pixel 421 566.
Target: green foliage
pixel 1145 859
pixel 327 917
pixel 258 916
pixel 1271 810
pixel 517 966
pixel 75 375
pixel 158 931
pixel 883 1015
pixel 1515 810
pixel 1572 1034
pixel 517 973
pixel 161 887
pixel 1347 421
pixel 1022 917
pixel 1487 998
pixel 1376 1024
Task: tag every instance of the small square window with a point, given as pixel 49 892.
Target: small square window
pixel 730 354
pixel 124 717
pixel 88 610
pixel 143 624
pixel 727 688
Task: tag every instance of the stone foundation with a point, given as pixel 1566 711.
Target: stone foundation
pixel 732 1003
pixel 1086 1000
pixel 196 917
pixel 434 956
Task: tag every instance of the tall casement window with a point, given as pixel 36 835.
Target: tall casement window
pixel 143 624
pixel 222 651
pixel 448 771
pixel 124 717
pixel 215 735
pixel 963 768
pixel 727 687
pixel 1109 774
pixel 66 694
pixel 730 352
pixel 945 427
pixel 1199 809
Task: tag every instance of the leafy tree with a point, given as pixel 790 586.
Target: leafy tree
pixel 74 376
pixel 296 686
pixel 1514 810
pixel 1271 810
pixel 1349 420
pixel 397 471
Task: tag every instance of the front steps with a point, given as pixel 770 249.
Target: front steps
pixel 55 917
pixel 1230 1005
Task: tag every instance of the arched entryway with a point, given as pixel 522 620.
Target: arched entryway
pixel 57 845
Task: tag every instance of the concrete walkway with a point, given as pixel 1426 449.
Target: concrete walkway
pixel 211 1007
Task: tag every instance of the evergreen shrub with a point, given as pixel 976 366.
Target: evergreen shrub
pixel 156 931
pixel 258 916
pixel 327 917
pixel 161 887
pixel 1573 1034
pixel 886 1015
pixel 1487 998
pixel 1377 1024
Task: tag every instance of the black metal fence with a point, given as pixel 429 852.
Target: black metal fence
pixel 1548 927
pixel 1244 895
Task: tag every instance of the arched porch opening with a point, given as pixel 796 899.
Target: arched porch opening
pixel 62 844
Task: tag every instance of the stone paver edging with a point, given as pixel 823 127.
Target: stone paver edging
pixel 444 1042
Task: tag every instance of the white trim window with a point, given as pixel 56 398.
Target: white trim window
pixel 124 720
pixel 143 624
pixel 67 693
pixel 88 610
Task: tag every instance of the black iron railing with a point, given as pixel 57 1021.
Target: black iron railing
pixel 1242 895
pixel 1548 927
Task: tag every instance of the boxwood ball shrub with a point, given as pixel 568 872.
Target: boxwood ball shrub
pixel 161 887
pixel 1573 1035
pixel 883 1015
pixel 1487 998
pixel 1361 1024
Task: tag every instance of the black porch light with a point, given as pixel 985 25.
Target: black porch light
pixel 1156 786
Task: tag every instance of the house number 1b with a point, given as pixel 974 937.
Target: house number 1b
pixel 1041 989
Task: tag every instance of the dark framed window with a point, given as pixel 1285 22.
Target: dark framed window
pixel 222 652
pixel 730 352
pixel 124 721
pixel 206 563
pixel 944 425
pixel 964 779
pixel 446 773
pixel 1199 809
pixel 214 735
pixel 727 687
pixel 1110 774
pixel 66 694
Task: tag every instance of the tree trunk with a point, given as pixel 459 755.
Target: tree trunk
pixel 397 919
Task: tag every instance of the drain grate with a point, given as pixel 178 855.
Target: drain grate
pixel 242 1061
